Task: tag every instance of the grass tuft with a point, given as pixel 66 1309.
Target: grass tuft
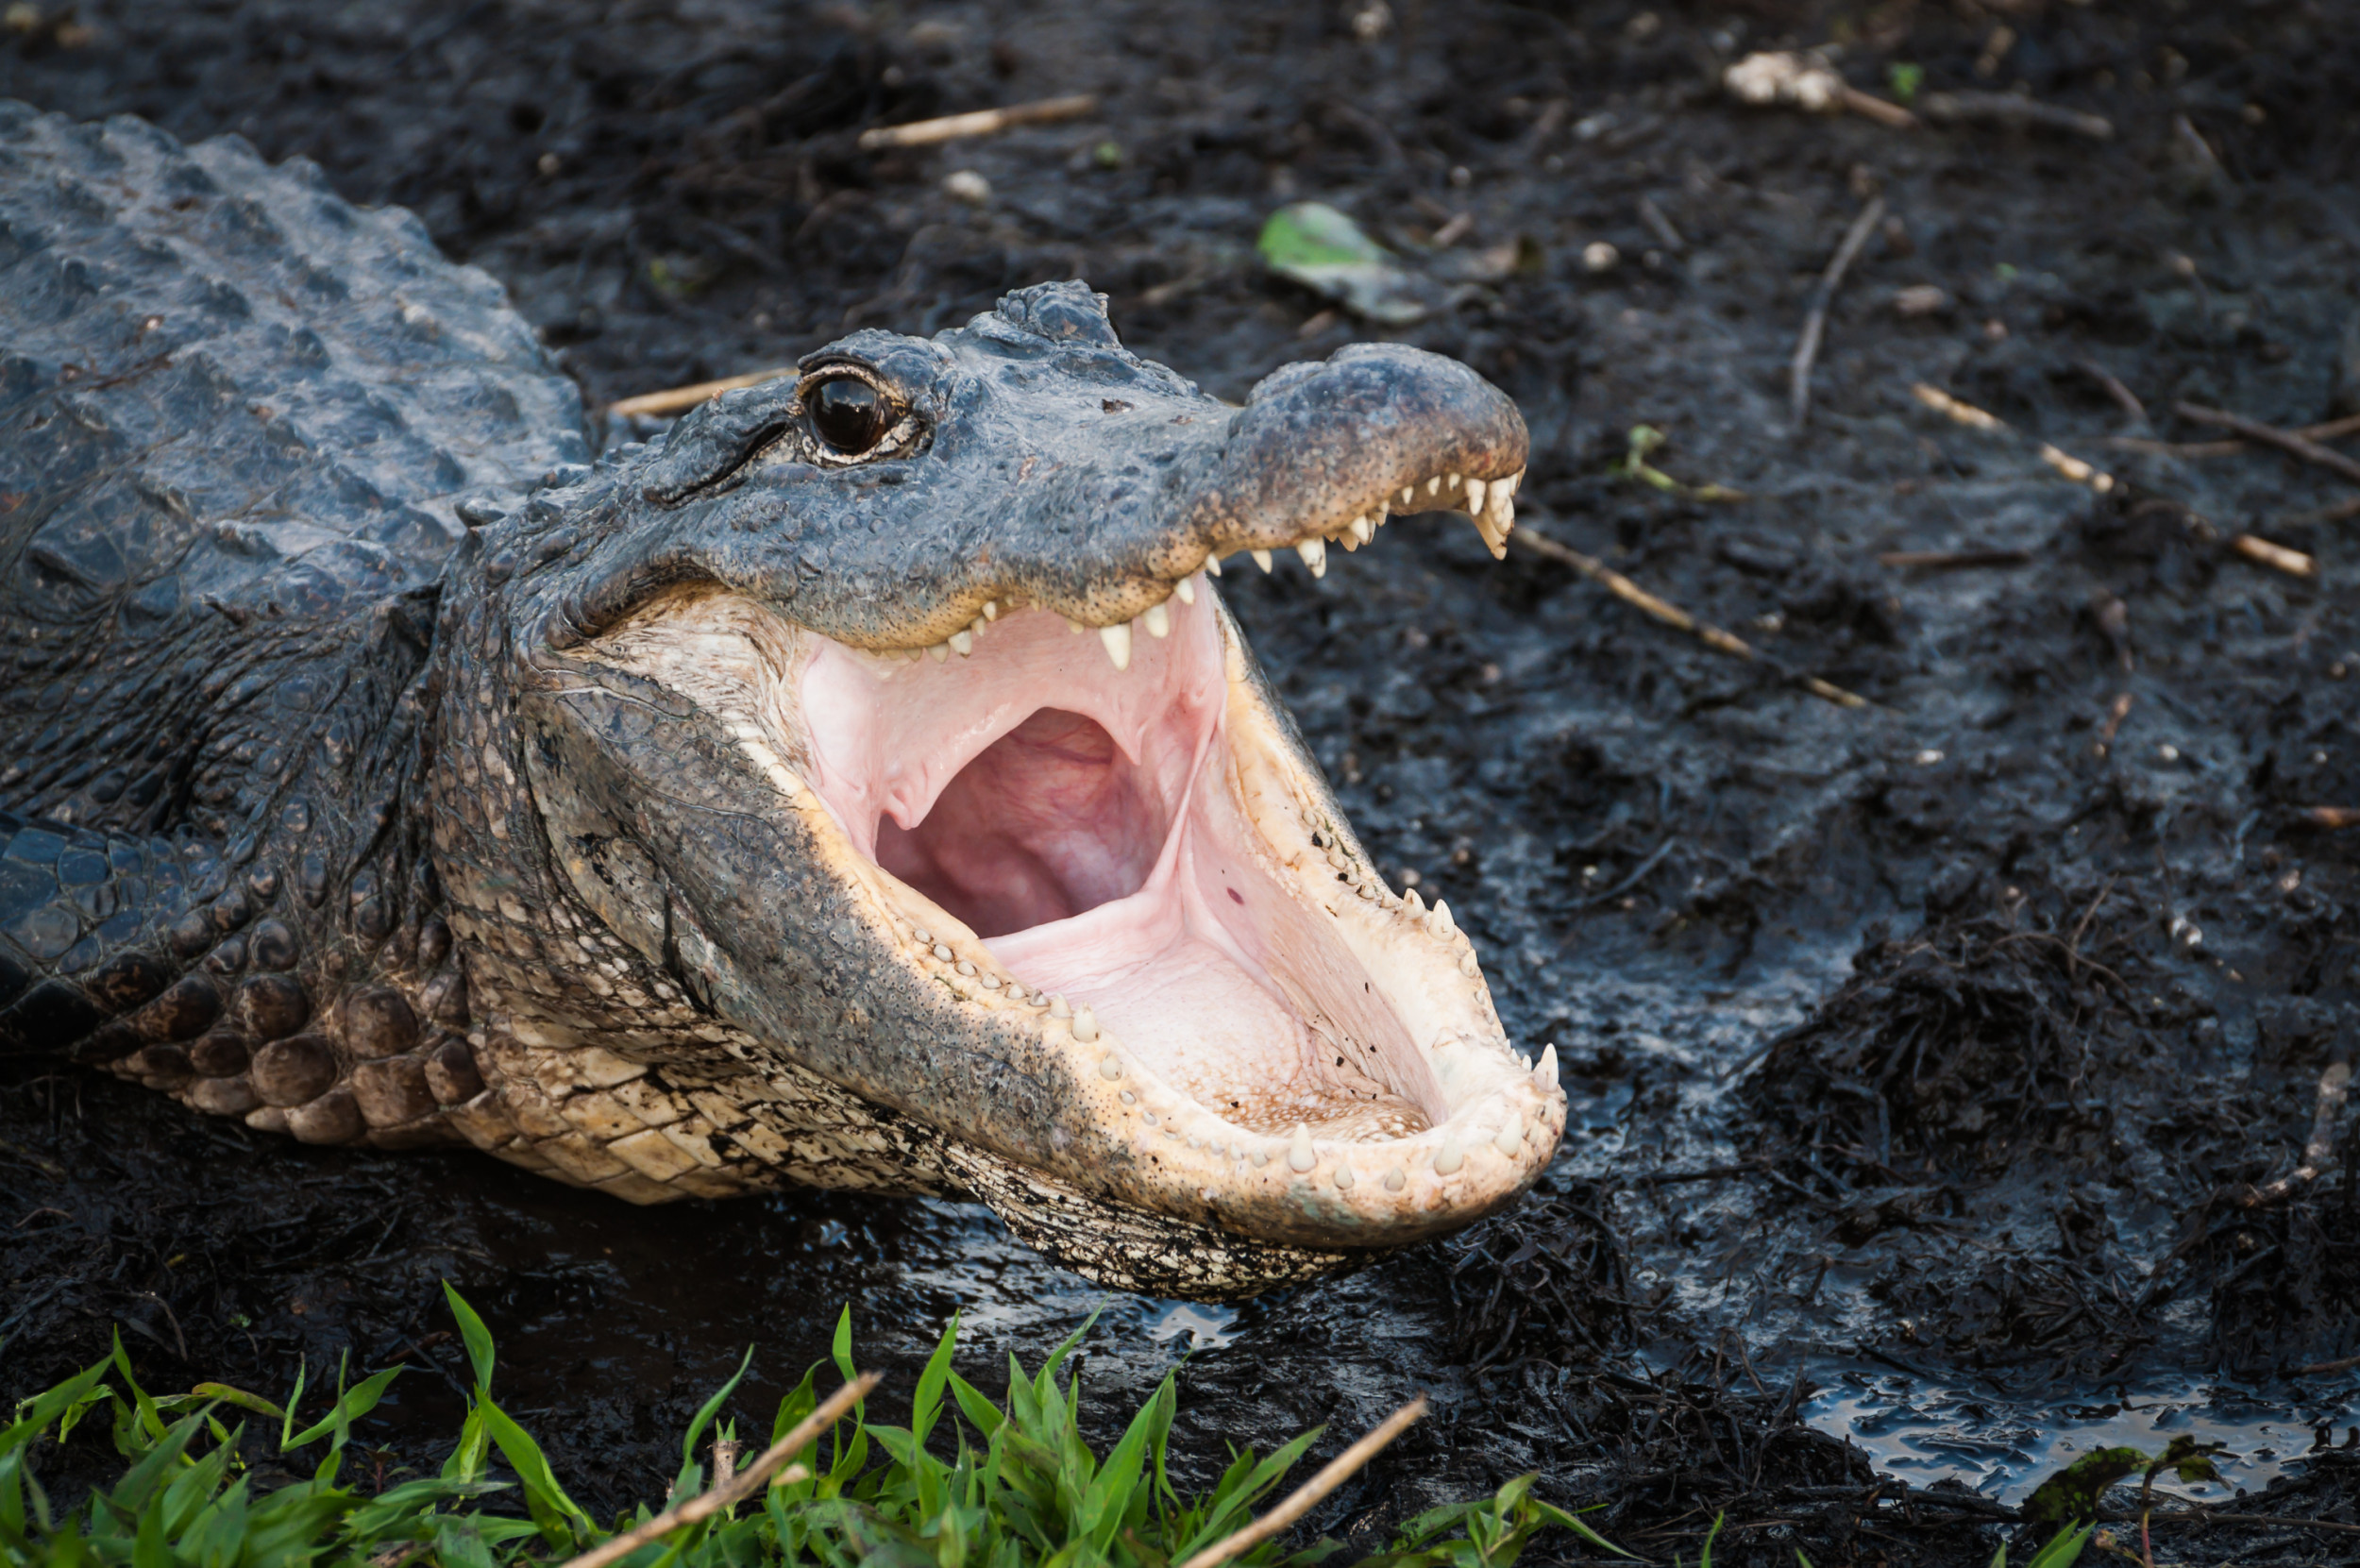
pixel 1020 1486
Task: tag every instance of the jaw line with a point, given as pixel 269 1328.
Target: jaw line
pixel 1144 1138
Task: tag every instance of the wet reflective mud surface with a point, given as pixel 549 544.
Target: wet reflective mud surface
pixel 1942 1068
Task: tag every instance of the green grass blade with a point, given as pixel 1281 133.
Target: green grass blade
pixel 351 1404
pixel 712 1408
pixel 2063 1548
pixel 560 1517
pixel 471 1329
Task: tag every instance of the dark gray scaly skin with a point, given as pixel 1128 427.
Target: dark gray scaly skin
pixel 323 804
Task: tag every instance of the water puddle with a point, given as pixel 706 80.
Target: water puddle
pixel 1924 1432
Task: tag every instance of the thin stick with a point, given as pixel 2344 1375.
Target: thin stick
pixel 1338 1471
pixel 1954 558
pixel 982 122
pixel 2270 435
pixel 2326 816
pixel 2127 400
pixel 1815 324
pixel 2006 108
pixel 2293 563
pixel 1669 613
pixel 673 399
pixel 1883 110
pixel 744 1485
pixel 2320 1151
pixel 2208 1517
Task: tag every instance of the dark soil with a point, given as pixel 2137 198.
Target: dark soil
pixel 1950 1038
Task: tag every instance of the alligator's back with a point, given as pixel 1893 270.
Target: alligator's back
pixel 236 412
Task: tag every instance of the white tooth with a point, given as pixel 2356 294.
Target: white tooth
pixel 1363 530
pixel 1085 1024
pixel 1314 555
pixel 989 981
pixel 1468 966
pixel 1475 498
pixel 1074 625
pixel 940 651
pixel 1514 481
pixel 1158 621
pixel 1260 1158
pixel 1416 904
pixel 1111 1067
pixel 1383 510
pixel 1395 1179
pixel 942 954
pixel 1118 641
pixel 1448 1159
pixel 1185 589
pixel 1510 1140
pixel 962 643
pixel 991 609
pixel 1130 1099
pixel 1261 559
pixel 1547 1071
pixel 1212 565
pixel 1452 478
pixel 1409 494
pixel 1434 485
pixel 1343 1176
pixel 1057 1007
pixel 978 626
pixel 1440 919
pixel 966 966
pixel 1299 1155
pixel 923 937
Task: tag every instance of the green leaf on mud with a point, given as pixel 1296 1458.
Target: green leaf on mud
pixel 1322 249
pixel 2070 1495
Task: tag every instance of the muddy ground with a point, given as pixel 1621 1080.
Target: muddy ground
pixel 1925 1055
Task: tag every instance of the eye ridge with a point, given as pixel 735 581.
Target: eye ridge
pixel 848 413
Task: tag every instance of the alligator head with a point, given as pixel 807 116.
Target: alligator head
pixel 864 785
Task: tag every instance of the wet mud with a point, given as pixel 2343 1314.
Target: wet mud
pixel 1942 1068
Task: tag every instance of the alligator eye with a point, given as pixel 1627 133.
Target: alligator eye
pixel 848 413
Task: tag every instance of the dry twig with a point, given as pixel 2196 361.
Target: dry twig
pixel 1815 324
pixel 982 122
pixel 2319 1151
pixel 674 400
pixel 1333 1474
pixel 742 1486
pixel 1669 613
pixel 1946 559
pixel 2270 435
pixel 2334 817
pixel 2008 108
pixel 2293 563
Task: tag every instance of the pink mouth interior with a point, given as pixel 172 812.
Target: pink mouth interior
pixel 1085 823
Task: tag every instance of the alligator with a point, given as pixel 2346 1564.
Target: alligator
pixel 858 784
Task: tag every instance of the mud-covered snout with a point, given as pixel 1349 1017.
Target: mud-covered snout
pixel 1321 443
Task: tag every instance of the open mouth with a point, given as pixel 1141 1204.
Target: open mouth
pixel 1110 839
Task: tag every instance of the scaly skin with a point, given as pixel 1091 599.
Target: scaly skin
pixel 355 784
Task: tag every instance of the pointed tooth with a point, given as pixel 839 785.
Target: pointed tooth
pixel 979 626
pixel 991 609
pixel 1344 1177
pixel 1300 1157
pixel 1074 625
pixel 1057 1007
pixel 1440 919
pixel 1118 641
pixel 1212 565
pixel 1409 494
pixel 1395 1179
pixel 939 652
pixel 1085 1024
pixel 1453 478
pixel 1434 485
pixel 1475 498
pixel 1494 537
pixel 1510 1139
pixel 1314 553
pixel 1546 1070
pixel 1158 621
pixel 962 643
pixel 1362 530
pixel 1383 509
pixel 1415 903
pixel 1447 1159
pixel 1185 589
pixel 1261 559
